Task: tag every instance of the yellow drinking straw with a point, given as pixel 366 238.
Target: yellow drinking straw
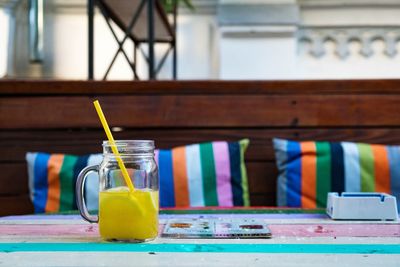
pixel 113 146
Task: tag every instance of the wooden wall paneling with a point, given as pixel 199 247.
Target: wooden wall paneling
pixel 15 143
pixel 265 199
pixel 262 177
pixel 14 179
pixel 200 111
pixel 15 205
pixel 216 87
pixel 59 117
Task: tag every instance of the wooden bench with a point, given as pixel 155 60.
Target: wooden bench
pixel 58 116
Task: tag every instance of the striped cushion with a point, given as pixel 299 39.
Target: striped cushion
pixel 52 180
pixel 309 170
pixel 207 174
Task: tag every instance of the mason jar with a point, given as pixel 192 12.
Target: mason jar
pixel 124 214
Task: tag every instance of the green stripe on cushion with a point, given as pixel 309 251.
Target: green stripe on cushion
pixel 243 146
pixel 67 183
pixel 209 176
pixel 366 168
pixel 323 172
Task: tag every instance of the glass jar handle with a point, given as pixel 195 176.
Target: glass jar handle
pixel 80 200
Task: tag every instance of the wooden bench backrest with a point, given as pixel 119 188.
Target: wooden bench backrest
pixel 58 117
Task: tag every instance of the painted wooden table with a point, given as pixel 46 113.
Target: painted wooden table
pixel 300 238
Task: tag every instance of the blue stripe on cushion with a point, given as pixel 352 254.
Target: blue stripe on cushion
pixel 236 175
pixel 40 182
pixel 167 196
pixel 394 162
pixel 293 193
pixel 337 169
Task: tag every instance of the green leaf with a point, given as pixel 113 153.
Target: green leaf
pixel 169 4
pixel 188 4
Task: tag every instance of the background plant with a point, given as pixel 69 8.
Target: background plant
pixel 169 4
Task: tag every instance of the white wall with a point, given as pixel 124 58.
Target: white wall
pixel 3 42
pixel 362 13
pixel 270 58
pixel 66 54
pixel 196 47
pixel 208 50
pixel 70 57
pixel 270 52
pixel 262 55
pixel 331 66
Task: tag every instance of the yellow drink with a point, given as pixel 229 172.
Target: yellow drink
pixel 128 216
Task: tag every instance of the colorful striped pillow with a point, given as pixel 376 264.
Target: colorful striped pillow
pixel 52 180
pixel 309 170
pixel 198 175
pixel 207 174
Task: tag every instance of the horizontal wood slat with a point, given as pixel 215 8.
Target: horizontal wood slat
pixel 265 199
pixel 14 179
pixel 262 177
pixel 217 87
pixel 201 111
pixel 15 144
pixel 15 205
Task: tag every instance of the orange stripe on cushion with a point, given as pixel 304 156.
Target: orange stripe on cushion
pixel 180 177
pixel 308 174
pixel 53 179
pixel 382 169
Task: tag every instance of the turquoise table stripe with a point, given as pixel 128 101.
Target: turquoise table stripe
pixel 215 248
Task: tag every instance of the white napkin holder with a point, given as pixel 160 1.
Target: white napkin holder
pixel 362 206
